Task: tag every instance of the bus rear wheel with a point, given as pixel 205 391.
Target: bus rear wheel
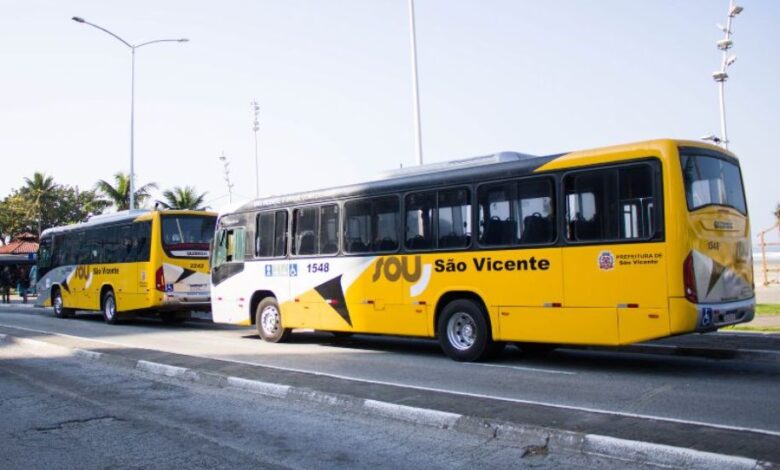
pixel 268 320
pixel 59 305
pixel 464 332
pixel 110 314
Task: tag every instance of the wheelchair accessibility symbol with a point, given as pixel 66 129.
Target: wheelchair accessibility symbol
pixel 706 317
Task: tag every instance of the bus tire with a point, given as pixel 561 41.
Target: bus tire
pixel 464 332
pixel 268 320
pixel 58 304
pixel 108 305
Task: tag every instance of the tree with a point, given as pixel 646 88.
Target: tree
pixel 15 216
pixel 777 213
pixel 78 206
pixel 119 194
pixel 184 198
pixel 41 204
pixel 38 193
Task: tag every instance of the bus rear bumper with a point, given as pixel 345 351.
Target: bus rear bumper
pixel 710 317
pixel 186 301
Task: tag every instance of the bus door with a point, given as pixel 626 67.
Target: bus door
pixel 529 294
pixel 123 273
pixel 523 275
pixel 82 278
pixel 227 261
pixel 614 272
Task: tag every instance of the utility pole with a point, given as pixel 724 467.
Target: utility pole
pixel 226 164
pixel 255 128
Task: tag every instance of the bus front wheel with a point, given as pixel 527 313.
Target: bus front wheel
pixel 464 332
pixel 59 305
pixel 268 320
pixel 110 314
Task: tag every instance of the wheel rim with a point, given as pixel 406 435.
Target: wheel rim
pixel 461 331
pixel 269 320
pixel 110 308
pixel 58 304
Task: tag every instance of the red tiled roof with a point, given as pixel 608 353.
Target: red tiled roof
pixel 21 245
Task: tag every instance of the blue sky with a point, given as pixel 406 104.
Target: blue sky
pixel 333 79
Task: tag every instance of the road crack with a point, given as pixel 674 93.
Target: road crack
pixel 76 422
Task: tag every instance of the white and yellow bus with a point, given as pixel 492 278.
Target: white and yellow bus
pixel 600 247
pixel 131 261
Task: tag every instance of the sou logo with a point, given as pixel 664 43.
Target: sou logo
pixel 394 267
pixel 82 272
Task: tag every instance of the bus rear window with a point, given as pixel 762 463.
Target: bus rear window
pixel 712 181
pixel 187 236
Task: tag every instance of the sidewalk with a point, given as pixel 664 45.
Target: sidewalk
pixel 16 301
pixel 768 294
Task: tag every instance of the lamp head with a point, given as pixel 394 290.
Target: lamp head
pixel 78 19
pixel 735 11
pixel 183 40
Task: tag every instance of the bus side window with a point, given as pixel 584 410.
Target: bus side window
pixel 496 226
pixel 44 256
pixel 454 218
pixel 610 204
pixel 220 249
pixel 264 238
pixel 636 202
pixel 372 225
pixel 280 234
pixel 305 228
pixel 420 208
pixel 141 233
pixel 535 210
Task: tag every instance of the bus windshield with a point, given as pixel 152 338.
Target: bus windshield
pixel 187 236
pixel 711 180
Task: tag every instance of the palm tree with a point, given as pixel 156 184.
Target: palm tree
pixel 39 191
pixel 184 198
pixel 777 213
pixel 119 194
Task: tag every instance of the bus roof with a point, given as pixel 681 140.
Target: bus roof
pixel 442 173
pixel 495 166
pixel 118 217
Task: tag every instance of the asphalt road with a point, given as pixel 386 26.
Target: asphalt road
pixel 65 413
pixel 635 396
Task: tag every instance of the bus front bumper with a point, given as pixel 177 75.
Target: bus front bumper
pixel 710 317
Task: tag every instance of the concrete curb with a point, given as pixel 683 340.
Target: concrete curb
pixel 534 439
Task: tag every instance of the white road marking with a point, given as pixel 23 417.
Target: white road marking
pixel 529 369
pixel 437 390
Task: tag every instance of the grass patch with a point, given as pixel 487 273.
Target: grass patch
pixel 768 309
pixel 757 329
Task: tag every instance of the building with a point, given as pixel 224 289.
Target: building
pixel 20 250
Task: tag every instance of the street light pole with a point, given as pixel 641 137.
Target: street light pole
pixel 415 84
pixel 721 75
pixel 132 130
pixel 132 95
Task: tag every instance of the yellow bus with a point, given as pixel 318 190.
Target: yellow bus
pixel 599 247
pixel 132 261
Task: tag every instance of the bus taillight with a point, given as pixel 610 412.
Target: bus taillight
pixel 159 279
pixel 689 280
